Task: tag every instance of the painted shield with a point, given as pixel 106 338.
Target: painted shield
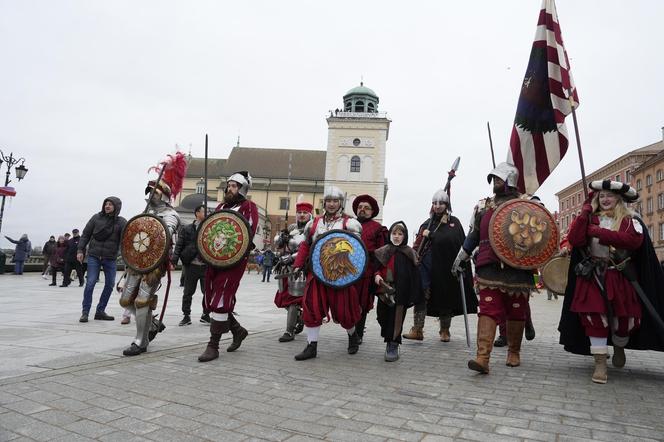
pixel 554 274
pixel 145 243
pixel 223 239
pixel 523 234
pixel 338 258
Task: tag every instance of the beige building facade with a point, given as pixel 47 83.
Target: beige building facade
pixel 571 198
pixel 649 182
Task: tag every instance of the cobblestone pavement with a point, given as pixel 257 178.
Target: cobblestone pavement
pixel 66 381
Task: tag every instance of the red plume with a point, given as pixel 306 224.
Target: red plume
pixel 174 172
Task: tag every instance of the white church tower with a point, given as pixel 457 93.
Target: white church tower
pixel 356 142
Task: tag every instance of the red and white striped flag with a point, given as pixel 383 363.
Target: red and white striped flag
pixel 539 136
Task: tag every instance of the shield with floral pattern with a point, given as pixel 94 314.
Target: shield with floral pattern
pixel 145 243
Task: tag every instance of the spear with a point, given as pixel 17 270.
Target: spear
pixel 205 198
pixel 493 159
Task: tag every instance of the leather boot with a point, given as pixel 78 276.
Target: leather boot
pixel 239 333
pixel 486 332
pixel 514 338
pixel 416 331
pixel 217 328
pixel 445 322
pixel 309 352
pixel 353 344
pixel 600 374
pixel 291 322
pixel 359 328
pixel 618 360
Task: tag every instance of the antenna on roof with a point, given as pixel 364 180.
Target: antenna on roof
pixel 238 139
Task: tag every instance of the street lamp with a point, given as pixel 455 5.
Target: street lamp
pixel 21 170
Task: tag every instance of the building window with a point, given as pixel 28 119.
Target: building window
pixel 638 208
pixel 650 230
pixel 661 231
pixel 660 201
pixel 371 107
pixel 283 204
pixel 359 106
pixel 660 175
pixel 627 176
pixel 649 205
pixel 638 184
pixel 200 187
pixel 348 107
pixel 355 164
pixel 648 180
pixel 617 177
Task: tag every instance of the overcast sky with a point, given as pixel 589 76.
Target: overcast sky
pixel 95 92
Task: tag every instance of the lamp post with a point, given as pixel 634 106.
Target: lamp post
pixel 21 170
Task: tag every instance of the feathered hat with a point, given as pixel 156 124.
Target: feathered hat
pixel 303 206
pixel 170 185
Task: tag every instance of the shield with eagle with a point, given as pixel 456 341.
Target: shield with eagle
pixel 338 258
pixel 145 243
pixel 523 234
pixel 223 239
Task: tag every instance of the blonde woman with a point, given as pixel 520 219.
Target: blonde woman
pixel 601 303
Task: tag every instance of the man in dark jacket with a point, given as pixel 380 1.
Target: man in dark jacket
pixel 101 237
pixel 22 252
pixel 268 262
pixel 47 251
pixel 71 262
pixel 185 249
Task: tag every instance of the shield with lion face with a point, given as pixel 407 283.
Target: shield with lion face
pixel 338 258
pixel 523 234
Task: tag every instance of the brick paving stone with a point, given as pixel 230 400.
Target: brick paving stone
pixel 304 428
pixel 56 417
pixel 6 435
pixel 437 438
pixel 262 432
pixel 99 415
pixel 394 433
pixel 611 436
pixel 133 425
pixel 425 427
pixel 351 436
pixel 141 413
pixel 29 427
pixel 72 437
pixel 27 407
pixel 172 435
pixel 218 434
pixel 122 436
pixel 481 436
pixel 88 428
pixel 344 424
pixel 525 434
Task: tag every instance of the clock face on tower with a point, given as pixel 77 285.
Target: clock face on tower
pixel 356 142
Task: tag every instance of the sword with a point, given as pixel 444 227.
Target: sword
pixel 630 273
pixel 465 309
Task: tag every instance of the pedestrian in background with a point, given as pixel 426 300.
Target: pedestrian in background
pixel 268 262
pixel 47 251
pixel 71 263
pixel 21 252
pixel 57 261
pixel 101 239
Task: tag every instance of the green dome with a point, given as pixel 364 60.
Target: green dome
pixel 361 90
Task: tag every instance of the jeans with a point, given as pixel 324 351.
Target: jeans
pixel 267 270
pixel 18 267
pixel 94 265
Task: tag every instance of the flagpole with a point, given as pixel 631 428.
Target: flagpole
pixel 205 199
pixel 493 158
pixel 578 145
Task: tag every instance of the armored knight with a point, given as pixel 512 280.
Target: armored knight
pixel 319 299
pixel 288 242
pixel 139 292
pixel 504 290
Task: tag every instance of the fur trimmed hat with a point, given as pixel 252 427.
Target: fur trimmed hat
pixel 366 199
pixel 627 192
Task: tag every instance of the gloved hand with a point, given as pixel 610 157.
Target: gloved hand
pixel 593 230
pixel 587 207
pixel 461 258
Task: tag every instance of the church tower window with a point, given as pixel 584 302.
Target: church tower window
pixel 355 164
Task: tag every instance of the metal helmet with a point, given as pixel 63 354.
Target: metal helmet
pixel 243 179
pixel 506 172
pixel 441 197
pixel 333 193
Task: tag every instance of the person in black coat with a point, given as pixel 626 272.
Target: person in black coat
pixel 71 263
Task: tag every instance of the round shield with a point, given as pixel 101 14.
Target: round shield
pixel 523 234
pixel 554 274
pixel 223 239
pixel 145 243
pixel 338 258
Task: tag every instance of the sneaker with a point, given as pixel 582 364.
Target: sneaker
pixel 45 276
pixel 102 316
pixel 125 320
pixel 83 318
pixel 186 320
pixel 205 318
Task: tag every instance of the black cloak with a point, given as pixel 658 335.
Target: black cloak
pixel 650 276
pixel 436 267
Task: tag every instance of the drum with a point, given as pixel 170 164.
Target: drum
pixel 338 258
pixel 554 274
pixel 145 243
pixel 224 239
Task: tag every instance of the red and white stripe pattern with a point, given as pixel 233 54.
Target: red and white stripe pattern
pixel 535 153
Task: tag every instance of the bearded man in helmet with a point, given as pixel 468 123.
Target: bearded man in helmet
pixel 320 300
pixel 374 236
pixel 139 292
pixel 222 284
pixel 504 290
